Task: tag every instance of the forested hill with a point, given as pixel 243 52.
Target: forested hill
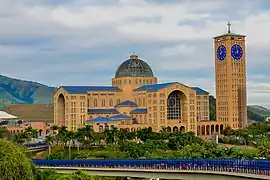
pixel 16 91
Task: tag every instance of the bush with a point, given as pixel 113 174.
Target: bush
pixel 14 163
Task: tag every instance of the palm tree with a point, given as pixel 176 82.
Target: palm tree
pixel 69 136
pixel 115 134
pixel 264 148
pixel 89 132
pixel 49 139
pixel 62 131
pixel 54 128
pixel 20 137
pixel 31 133
pixel 34 134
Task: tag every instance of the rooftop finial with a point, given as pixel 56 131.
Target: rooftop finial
pixel 133 56
pixel 229 27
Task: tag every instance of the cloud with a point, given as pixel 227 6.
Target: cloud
pixel 177 50
pixel 84 41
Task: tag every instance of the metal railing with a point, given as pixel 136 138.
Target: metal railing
pixel 246 166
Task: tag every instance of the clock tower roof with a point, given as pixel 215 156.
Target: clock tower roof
pixel 230 34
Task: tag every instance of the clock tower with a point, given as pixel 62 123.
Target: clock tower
pixel 230 75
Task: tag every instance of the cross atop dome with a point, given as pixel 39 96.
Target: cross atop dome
pixel 134 56
pixel 229 27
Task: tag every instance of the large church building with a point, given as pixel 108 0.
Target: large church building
pixel 136 100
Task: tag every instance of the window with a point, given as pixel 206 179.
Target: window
pixel 103 103
pixel 111 102
pixel 95 102
pixel 145 120
pixel 118 101
pixel 174 106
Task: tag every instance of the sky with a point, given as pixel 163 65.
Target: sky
pixel 82 42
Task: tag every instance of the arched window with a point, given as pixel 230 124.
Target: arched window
pixel 88 103
pixel 118 101
pixel 139 102
pixel 95 102
pixel 174 105
pixel 111 102
pixel 103 103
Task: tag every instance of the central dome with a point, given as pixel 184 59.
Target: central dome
pixel 134 67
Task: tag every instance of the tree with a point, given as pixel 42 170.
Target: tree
pixel 49 139
pixel 46 174
pixel 14 165
pixel 69 137
pixel 264 148
pixel 227 131
pixel 20 137
pixel 62 134
pixel 78 175
pixel 54 128
pixel 3 131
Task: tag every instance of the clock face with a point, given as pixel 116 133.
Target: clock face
pixel 221 52
pixel 236 52
pixel 172 102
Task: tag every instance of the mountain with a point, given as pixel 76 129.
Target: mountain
pixel 16 91
pixel 258 113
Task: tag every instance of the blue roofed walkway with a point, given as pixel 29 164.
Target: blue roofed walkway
pixel 195 169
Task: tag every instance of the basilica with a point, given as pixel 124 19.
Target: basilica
pixel 136 100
